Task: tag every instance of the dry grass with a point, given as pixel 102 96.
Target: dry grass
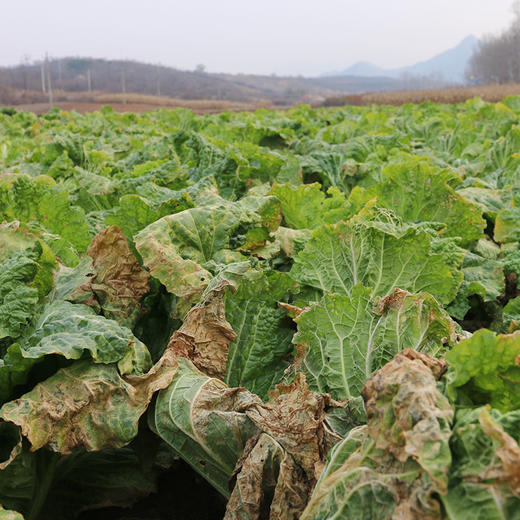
pixel 206 105
pixel 490 93
pixel 87 102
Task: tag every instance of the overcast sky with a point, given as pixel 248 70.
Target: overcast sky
pixel 252 36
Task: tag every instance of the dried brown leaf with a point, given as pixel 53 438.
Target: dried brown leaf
pixel 395 465
pixel 205 334
pixel 276 474
pixel 87 405
pixel 292 310
pixel 408 416
pixel 119 282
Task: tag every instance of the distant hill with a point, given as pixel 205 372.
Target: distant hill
pixel 91 74
pixel 449 65
pixel 362 69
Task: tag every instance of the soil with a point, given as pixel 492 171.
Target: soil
pixel 83 107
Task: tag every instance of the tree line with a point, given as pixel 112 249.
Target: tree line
pixel 497 58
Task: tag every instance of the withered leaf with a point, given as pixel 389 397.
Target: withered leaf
pixel 507 451
pixel 289 454
pixel 484 473
pixel 408 416
pixel 273 452
pixel 393 467
pixel 119 282
pixel 292 310
pixel 198 416
pixel 9 515
pixel 205 334
pixel 87 405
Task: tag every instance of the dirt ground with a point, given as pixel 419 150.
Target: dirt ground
pixel 84 102
pixel 83 107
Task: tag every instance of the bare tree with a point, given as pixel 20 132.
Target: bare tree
pixel 49 84
pixel 497 58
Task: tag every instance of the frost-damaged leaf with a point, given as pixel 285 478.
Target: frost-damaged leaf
pixel 205 335
pixel 174 247
pixel 307 207
pixel 407 414
pixel 68 283
pixel 201 419
pixel 39 199
pixel 15 238
pixel 394 466
pixel 277 471
pixel 17 299
pixel 119 282
pixel 135 213
pixel 9 515
pixel 338 257
pixel 342 340
pixel 486 369
pixel 418 193
pixel 87 405
pixel 291 241
pixel 258 211
pixel 70 330
pixel 512 314
pixel 506 225
pixel 485 477
pixel 358 481
pixel 507 451
pixel 488 200
pixel 179 248
pixel 257 357
pixel 209 424
pixel 483 277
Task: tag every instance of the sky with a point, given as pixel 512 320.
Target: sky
pixel 284 37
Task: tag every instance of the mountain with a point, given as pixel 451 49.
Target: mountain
pixel 449 65
pixel 364 69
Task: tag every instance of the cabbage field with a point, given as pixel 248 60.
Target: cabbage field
pixel 314 313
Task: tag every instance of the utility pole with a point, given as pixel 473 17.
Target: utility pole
pixel 158 81
pixel 24 73
pixel 60 79
pixel 89 81
pixel 123 85
pixel 26 79
pixel 49 86
pixel 42 68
